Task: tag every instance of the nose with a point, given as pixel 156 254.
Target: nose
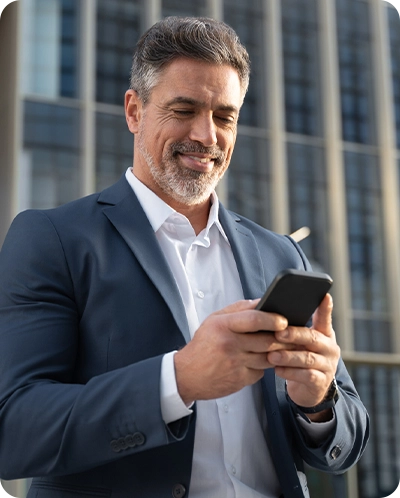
pixel 203 130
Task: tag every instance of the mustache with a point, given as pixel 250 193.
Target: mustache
pixel 186 147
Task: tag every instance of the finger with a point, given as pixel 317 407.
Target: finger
pixel 305 338
pixel 242 305
pixel 261 342
pixel 305 383
pixel 299 360
pixel 254 321
pixel 322 319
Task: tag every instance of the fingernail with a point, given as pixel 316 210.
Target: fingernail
pixel 284 334
pixel 275 357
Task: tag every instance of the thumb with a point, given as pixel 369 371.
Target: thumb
pixel 322 318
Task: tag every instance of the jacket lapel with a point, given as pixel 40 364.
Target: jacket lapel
pixel 246 253
pixel 253 279
pixel 277 440
pixel 126 214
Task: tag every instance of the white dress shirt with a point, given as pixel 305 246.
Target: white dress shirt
pixel 231 458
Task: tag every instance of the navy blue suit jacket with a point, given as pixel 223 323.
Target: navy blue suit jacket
pixel 88 308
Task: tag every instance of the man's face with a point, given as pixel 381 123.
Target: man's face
pixel 186 132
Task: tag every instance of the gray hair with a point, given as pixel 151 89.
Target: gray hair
pixel 198 38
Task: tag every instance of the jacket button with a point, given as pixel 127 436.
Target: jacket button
pixel 130 441
pixel 335 452
pixel 178 491
pixel 122 443
pixel 115 446
pixel 138 438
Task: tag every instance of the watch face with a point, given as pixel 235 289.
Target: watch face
pixel 333 392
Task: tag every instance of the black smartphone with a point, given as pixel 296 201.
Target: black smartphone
pixel 295 294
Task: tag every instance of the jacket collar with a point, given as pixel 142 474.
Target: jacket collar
pixel 124 211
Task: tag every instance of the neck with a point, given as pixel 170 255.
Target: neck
pixel 197 214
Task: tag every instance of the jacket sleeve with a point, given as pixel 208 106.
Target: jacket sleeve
pixel 49 424
pixel 347 442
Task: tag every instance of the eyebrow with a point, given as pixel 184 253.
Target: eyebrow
pixel 199 103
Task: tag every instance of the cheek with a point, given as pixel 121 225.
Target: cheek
pixel 228 145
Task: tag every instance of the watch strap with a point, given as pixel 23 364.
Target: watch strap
pixel 330 400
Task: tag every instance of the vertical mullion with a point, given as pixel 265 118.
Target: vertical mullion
pixel 215 9
pixel 152 12
pixel 335 173
pixel 386 141
pixel 276 121
pixel 88 95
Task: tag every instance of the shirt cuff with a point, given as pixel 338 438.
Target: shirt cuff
pixel 318 432
pixel 172 406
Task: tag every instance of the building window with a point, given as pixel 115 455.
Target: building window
pixel 114 149
pixel 184 8
pixel 118 30
pixel 394 33
pixel 50 157
pixel 50 55
pixel 301 69
pixel 249 180
pixel 308 201
pixel 247 19
pixel 354 37
pixel 365 234
pixel 378 469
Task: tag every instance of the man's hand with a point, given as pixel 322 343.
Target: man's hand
pixel 310 368
pixel 225 355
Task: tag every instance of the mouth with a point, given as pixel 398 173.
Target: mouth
pixel 203 160
pixel 203 164
pixel 196 157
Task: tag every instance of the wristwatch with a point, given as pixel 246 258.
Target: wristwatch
pixel 330 400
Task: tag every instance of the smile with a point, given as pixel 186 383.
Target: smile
pixel 203 160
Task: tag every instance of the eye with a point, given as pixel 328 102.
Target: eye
pixel 183 112
pixel 226 119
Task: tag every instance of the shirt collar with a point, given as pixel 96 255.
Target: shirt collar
pixel 158 211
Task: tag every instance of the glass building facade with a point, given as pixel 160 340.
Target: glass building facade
pixel 318 146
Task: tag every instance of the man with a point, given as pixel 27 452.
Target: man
pixel 132 362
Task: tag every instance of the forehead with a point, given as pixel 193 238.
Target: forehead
pixel 200 81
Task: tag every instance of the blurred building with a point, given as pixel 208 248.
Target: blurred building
pixel 318 146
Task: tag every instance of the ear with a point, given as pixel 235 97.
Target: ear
pixel 133 110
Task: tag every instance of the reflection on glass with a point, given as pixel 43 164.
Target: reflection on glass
pixel 300 48
pixel 308 200
pixel 365 235
pixel 69 48
pixel 249 180
pixel 51 37
pixel 114 149
pixel 354 37
pixel 184 8
pixel 378 469
pixel 247 19
pixel 51 154
pixel 118 30
pixel 364 212
pixel 394 33
pixel 372 334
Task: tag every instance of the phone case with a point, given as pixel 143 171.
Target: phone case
pixel 296 294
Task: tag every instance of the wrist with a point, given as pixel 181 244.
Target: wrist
pixel 322 411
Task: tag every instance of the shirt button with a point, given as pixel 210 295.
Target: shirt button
pixel 200 294
pixel 233 470
pixel 226 408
